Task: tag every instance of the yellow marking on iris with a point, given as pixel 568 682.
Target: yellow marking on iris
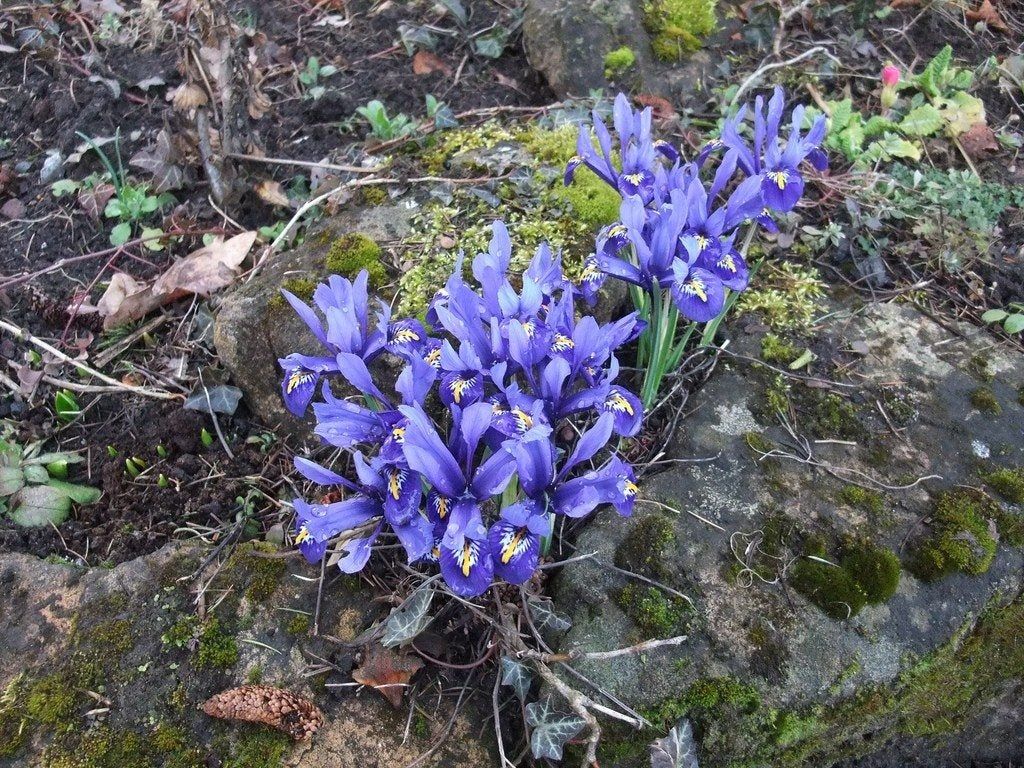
pixel 619 403
pixel 728 262
pixel 697 288
pixel 395 482
pixel 442 507
pixel 634 178
pixel 561 343
pixel 590 272
pixel 398 433
pixel 529 328
pixel 297 379
pixel 702 242
pixel 459 387
pixel 407 336
pixel 511 546
pixel 631 488
pixel 523 420
pixel 302 536
pixel 433 358
pixel 779 177
pixel 618 230
pixel 468 560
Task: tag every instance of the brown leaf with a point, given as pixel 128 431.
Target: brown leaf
pixel 662 108
pixel 271 192
pixel 987 13
pixel 209 269
pixel 979 141
pixel 286 711
pixel 122 285
pixel 387 670
pixel 160 160
pixel 187 97
pixel 94 200
pixel 425 62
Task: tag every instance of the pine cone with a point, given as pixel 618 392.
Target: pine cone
pixel 280 709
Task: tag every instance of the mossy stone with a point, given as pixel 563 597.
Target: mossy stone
pixel 776 350
pixel 618 61
pixel 874 569
pixel 677 26
pixel 865 499
pixel 646 546
pixel 1008 483
pixel 960 538
pixel 353 252
pixel 217 649
pixel 655 614
pixel 829 587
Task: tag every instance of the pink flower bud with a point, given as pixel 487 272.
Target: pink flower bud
pixel 890 76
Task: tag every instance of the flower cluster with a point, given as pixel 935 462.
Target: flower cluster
pixel 497 423
pixel 675 232
pixel 676 239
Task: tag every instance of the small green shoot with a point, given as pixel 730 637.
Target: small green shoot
pixel 382 126
pixel 66 405
pixel 205 437
pixel 310 78
pixel 1011 318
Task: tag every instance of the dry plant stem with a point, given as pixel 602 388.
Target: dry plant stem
pixel 302 163
pixel 765 69
pixel 24 335
pixel 573 655
pixel 505 763
pixel 216 423
pixel 108 355
pixel 580 705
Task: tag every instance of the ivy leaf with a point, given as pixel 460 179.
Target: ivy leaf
pixel 516 676
pixel 40 505
pixel 491 45
pixel 551 729
pixel 223 399
pixel 409 619
pixel 545 616
pixel 925 120
pixel 677 750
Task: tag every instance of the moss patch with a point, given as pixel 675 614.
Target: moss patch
pixel 655 614
pixel 776 350
pixel 830 587
pixel 217 649
pixel 646 546
pixel 861 498
pixel 864 574
pixel 875 570
pixel 960 539
pixel 1008 483
pixel 354 252
pixel 677 26
pixel 984 399
pixel 618 61
pixel 786 295
pixel 258 747
pixel 298 625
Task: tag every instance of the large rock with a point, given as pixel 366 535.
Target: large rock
pixel 130 636
pixel 567 40
pixel 931 676
pixel 255 326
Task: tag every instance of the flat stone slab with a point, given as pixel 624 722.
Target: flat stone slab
pixel 753 637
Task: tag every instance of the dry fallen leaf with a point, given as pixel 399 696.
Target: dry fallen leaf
pixel 94 200
pixel 387 670
pixel 425 62
pixel 202 272
pixel 662 108
pixel 209 269
pixel 271 192
pixel 987 13
pixel 187 97
pixel 122 285
pixel 13 209
pixel 160 159
pixel 286 711
pixel 979 141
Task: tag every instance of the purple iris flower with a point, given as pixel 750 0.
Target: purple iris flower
pixel 345 328
pixel 774 159
pixel 614 483
pixel 638 171
pixel 514 540
pixel 698 294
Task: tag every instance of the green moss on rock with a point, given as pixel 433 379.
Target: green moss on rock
pixel 618 61
pixel 298 625
pixel 646 546
pixel 830 587
pixel 960 538
pixel 354 252
pixel 217 649
pixel 777 350
pixel 862 498
pixel 984 399
pixel 1008 483
pixel 874 570
pixel 258 747
pixel 655 614
pixel 677 26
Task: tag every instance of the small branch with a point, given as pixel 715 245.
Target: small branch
pixel 765 69
pixel 24 335
pixel 573 655
pixel 302 163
